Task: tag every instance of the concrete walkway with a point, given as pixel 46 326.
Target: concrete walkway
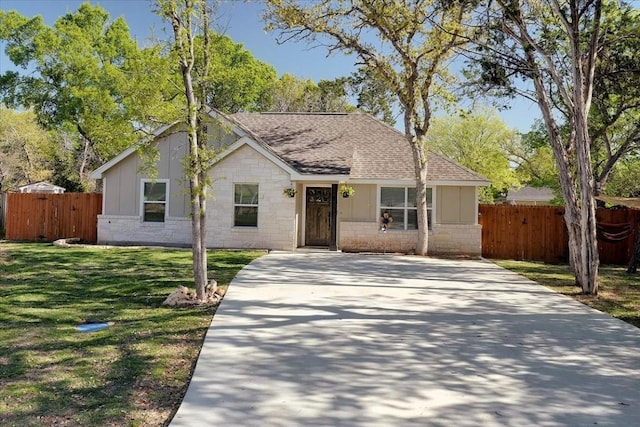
pixel 329 339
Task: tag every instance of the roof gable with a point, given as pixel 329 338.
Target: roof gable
pixel 336 145
pixel 41 187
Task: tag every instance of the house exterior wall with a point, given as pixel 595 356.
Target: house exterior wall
pixel 455 205
pixel 456 239
pixel 129 230
pixel 358 236
pixel 276 212
pixel 362 206
pixel 122 183
pixel 454 232
pixel 280 218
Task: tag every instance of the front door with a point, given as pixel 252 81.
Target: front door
pixel 318 216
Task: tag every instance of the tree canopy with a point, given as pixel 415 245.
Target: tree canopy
pixel 86 78
pixel 482 142
pixel 554 48
pixel 26 150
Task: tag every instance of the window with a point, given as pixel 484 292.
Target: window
pixel 400 204
pixel 154 200
pixel 245 205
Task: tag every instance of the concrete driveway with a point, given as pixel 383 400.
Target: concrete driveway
pixel 330 339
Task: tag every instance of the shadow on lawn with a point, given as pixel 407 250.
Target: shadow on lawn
pixel 134 372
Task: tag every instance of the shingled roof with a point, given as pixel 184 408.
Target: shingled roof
pixel 353 144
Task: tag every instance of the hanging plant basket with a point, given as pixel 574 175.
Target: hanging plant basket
pixel 290 192
pixel 347 191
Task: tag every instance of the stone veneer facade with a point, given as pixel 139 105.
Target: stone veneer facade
pixel 130 230
pixel 277 220
pixel 443 239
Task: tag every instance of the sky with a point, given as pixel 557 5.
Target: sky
pixel 242 22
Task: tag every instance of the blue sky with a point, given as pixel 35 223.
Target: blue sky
pixel 242 22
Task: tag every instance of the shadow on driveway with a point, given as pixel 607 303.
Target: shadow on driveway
pixel 330 339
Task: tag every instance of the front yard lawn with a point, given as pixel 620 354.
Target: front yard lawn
pixel 133 373
pixel 619 293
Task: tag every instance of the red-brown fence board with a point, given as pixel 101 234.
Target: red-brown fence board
pixel 47 217
pixel 538 233
pixel 619 252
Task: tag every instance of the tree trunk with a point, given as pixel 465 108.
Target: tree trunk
pixel 577 191
pixel 420 162
pixel 194 172
pixel 587 270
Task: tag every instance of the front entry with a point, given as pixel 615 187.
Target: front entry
pixel 318 217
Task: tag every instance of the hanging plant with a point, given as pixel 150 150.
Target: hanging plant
pixel 291 192
pixel 347 190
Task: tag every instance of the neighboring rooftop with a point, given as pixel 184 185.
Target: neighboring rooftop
pixel 41 187
pixel 530 194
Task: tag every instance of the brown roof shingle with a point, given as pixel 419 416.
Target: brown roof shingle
pixel 353 144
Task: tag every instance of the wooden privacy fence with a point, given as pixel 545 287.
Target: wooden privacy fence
pixel 538 233
pixel 47 217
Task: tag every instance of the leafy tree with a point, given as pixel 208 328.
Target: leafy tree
pixel 554 47
pixel 407 45
pixel 192 44
pixel 333 95
pixel 87 76
pixel 624 180
pixel 533 158
pixel 290 94
pixel 236 80
pixel 80 76
pixel 26 150
pixel 373 95
pixel 480 141
pixel 614 118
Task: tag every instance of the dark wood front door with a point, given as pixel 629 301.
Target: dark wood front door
pixel 318 217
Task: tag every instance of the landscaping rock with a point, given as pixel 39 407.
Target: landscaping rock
pixel 182 297
pixel 66 243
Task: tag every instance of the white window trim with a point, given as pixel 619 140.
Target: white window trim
pixel 406 208
pixel 257 205
pixel 166 202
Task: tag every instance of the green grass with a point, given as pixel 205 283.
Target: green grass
pixel 135 372
pixel 618 295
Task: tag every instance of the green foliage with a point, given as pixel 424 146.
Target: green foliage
pixel 80 66
pixel 86 76
pixel 27 151
pixel 290 94
pixel 236 80
pixel 614 120
pixel 625 178
pixel 373 95
pixel 403 45
pixel 482 142
pixel 614 116
pixel 534 159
